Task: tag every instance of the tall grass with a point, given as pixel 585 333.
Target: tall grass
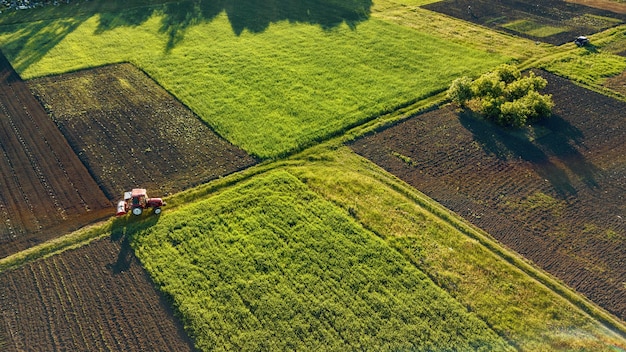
pixel 270 91
pixel 270 265
pixel 468 264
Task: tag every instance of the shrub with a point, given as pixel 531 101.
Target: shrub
pixel 460 90
pixel 540 105
pixel 488 85
pixel 508 73
pixel 504 96
pixel 522 86
pixel 514 113
pixel 490 107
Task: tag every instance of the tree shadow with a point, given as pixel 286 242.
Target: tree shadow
pixel 252 15
pixel 35 40
pixel 256 16
pixel 37 35
pixel 549 147
pixel 565 142
pixel 123 231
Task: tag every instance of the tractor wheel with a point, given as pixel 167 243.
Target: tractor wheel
pixel 157 211
pixel 137 211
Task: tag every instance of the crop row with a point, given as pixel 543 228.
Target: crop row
pixel 85 300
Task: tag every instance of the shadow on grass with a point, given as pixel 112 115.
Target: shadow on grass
pixel 33 36
pixel 123 230
pixel 35 39
pixel 551 151
pixel 256 16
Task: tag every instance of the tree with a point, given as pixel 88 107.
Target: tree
pixel 508 73
pixel 460 90
pixel 520 87
pixel 504 96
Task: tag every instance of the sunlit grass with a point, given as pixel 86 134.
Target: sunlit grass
pixel 534 29
pixel 270 265
pixel 468 264
pixel 272 92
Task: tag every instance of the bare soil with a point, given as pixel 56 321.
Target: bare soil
pixel 554 193
pixel 44 187
pixel 572 17
pixel 68 153
pixel 95 298
pixel 131 133
pixel 610 5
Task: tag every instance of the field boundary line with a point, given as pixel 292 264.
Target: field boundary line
pixel 57 245
pixel 103 228
pixel 455 221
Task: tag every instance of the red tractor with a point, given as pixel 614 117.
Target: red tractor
pixel 136 201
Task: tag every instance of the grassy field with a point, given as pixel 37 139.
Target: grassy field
pixel 271 265
pixel 589 66
pixel 500 288
pixel 287 82
pixel 279 236
pixel 271 90
pixel 592 65
pixel 287 255
pixel 273 251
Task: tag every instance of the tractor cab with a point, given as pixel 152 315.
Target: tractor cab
pixel 138 200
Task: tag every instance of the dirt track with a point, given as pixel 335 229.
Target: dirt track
pixel 44 188
pixel 95 298
pixel 558 196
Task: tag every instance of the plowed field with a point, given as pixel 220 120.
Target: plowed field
pixel 611 5
pixel 44 188
pixel 550 21
pixel 132 133
pixel 555 194
pixel 96 298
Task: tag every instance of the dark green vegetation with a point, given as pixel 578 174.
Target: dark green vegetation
pixel 271 265
pixel 504 96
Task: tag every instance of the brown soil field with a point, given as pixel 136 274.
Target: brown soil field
pixel 555 193
pixel 131 133
pixel 571 19
pixel 44 187
pixel 617 7
pixel 95 298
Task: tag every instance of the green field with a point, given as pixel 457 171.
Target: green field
pixel 534 29
pixel 271 90
pixel 271 265
pixel 295 248
pixel 319 249
pixel 499 287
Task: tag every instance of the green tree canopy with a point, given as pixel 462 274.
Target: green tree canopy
pixel 504 96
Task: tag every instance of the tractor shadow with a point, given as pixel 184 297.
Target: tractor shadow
pixel 550 147
pixel 123 231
